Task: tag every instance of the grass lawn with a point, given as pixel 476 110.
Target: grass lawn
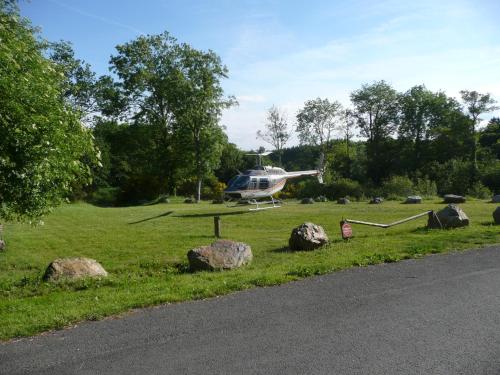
pixel 144 250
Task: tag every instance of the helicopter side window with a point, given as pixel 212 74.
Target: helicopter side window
pixel 253 183
pixel 263 183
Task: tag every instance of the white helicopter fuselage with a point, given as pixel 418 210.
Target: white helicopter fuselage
pixel 262 182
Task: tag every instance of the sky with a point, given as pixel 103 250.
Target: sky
pixel 284 52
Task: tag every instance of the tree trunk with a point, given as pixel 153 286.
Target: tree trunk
pixel 198 190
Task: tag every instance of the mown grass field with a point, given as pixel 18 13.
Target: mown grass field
pixel 144 250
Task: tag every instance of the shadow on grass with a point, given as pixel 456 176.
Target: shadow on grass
pixel 153 217
pixel 211 214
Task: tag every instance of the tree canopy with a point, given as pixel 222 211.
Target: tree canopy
pixel 42 142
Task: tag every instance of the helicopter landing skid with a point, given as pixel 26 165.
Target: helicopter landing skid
pixel 257 208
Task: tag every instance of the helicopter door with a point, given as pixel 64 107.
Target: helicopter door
pixel 253 184
pixel 263 183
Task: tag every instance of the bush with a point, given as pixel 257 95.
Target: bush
pixel 491 177
pixel 452 177
pixel 397 187
pixel 309 188
pixel 425 187
pixel 478 190
pixel 343 187
pixel 105 196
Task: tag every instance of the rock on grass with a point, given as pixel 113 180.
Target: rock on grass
pixel 307 236
pixel 74 268
pixel 221 255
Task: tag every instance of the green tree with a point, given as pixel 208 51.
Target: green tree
pixel 200 102
pixel 42 141
pixel 317 122
pixel 489 137
pixel 476 104
pixel 376 110
pixel 276 133
pixel 79 88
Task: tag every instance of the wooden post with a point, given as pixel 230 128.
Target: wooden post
pixel 217 226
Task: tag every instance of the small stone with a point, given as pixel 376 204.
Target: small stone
pixel 451 216
pixel 307 236
pixel 376 200
pixel 343 201
pixel 189 200
pixel 221 255
pixel 307 201
pixel 496 215
pixel 413 199
pixel 452 198
pixel 321 198
pixel 74 268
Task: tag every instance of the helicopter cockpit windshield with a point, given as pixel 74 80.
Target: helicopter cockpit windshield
pixel 239 183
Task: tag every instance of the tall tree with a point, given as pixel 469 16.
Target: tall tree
pixel 79 88
pixel 317 122
pixel 277 133
pixel 42 141
pixel 148 70
pixel 376 112
pixel 477 104
pixel 200 101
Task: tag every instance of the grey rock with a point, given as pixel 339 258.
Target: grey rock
pixel 74 268
pixel 189 200
pixel 307 236
pixel 451 216
pixel 307 201
pixel 413 199
pixel 452 198
pixel 343 200
pixel 221 255
pixel 495 199
pixel 496 215
pixel 376 200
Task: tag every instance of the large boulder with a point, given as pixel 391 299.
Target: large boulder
pixel 307 201
pixel 495 199
pixel 413 199
pixel 376 200
pixel 221 255
pixel 496 215
pixel 452 198
pixel 451 216
pixel 307 236
pixel 74 268
pixel 344 200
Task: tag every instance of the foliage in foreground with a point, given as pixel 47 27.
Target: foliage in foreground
pixel 42 142
pixel 144 249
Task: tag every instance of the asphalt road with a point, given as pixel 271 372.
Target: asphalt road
pixel 436 315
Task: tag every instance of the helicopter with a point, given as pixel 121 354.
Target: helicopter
pixel 263 182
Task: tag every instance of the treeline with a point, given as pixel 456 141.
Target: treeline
pixel 156 122
pixel 152 128
pixel 423 141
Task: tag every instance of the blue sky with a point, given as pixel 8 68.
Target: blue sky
pixel 286 52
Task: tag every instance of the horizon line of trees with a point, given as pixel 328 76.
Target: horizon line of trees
pixel 152 128
pixel 417 133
